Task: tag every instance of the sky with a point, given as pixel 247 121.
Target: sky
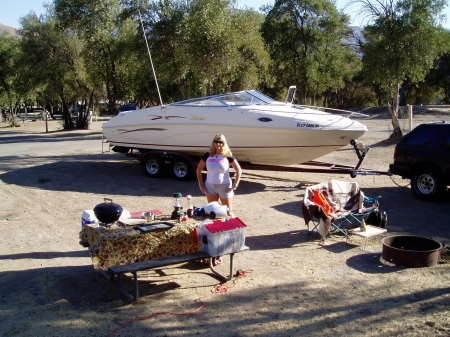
pixel 12 10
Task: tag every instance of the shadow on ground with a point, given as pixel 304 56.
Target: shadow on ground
pixel 44 255
pixel 370 263
pixel 99 174
pixel 55 299
pixel 278 240
pixel 56 136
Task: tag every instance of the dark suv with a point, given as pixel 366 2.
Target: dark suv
pixel 423 155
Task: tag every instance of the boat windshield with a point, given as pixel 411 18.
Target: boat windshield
pixel 250 97
pixel 262 97
pixel 203 101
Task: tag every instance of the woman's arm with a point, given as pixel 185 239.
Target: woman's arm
pixel 201 165
pixel 238 170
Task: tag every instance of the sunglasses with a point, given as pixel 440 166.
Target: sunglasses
pixel 218 142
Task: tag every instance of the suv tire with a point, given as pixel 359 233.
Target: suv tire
pixel 426 184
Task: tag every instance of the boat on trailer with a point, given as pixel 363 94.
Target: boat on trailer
pixel 259 129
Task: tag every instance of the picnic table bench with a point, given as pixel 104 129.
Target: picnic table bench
pixel 117 273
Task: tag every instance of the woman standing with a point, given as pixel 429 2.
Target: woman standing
pixel 218 183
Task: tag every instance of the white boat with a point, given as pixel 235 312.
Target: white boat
pixel 259 129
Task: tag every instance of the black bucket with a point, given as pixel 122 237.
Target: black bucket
pixel 411 250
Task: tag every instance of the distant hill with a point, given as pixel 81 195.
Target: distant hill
pixel 8 30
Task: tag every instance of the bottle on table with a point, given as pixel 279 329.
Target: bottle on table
pixel 177 207
pixel 190 206
pixel 363 225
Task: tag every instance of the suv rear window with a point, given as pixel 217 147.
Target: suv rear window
pixel 426 134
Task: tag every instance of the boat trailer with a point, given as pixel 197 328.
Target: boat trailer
pixel 183 166
pixel 322 167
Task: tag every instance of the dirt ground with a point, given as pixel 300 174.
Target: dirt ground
pixel 294 286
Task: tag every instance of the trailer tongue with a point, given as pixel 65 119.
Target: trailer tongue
pixel 322 167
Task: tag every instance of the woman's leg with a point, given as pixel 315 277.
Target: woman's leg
pixel 228 202
pixel 211 193
pixel 212 197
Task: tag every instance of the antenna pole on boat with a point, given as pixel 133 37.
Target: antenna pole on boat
pixel 149 54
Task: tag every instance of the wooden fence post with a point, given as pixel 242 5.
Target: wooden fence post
pixel 410 114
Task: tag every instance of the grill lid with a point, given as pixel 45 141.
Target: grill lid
pixel 108 212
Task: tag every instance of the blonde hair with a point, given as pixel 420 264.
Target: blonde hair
pixel 225 148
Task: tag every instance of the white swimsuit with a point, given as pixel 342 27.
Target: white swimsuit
pixel 218 168
pixel 218 179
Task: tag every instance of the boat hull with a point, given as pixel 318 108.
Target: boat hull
pixel 257 145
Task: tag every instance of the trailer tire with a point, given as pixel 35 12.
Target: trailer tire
pixel 153 166
pixel 182 169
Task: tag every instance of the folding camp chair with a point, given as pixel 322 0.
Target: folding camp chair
pixel 338 207
pixel 347 221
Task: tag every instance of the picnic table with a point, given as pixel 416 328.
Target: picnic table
pixel 118 250
pixel 124 245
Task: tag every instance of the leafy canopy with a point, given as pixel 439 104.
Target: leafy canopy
pixel 305 41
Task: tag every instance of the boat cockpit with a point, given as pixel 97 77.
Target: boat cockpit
pixel 240 98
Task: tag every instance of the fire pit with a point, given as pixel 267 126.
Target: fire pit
pixel 411 250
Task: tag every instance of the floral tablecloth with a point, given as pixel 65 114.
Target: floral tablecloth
pixel 117 246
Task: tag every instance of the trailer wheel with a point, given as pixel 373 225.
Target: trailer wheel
pixel 182 169
pixel 153 166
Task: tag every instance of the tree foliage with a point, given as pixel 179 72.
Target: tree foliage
pixel 401 44
pixel 206 46
pixel 85 52
pixel 306 42
pixel 51 63
pixel 99 24
pixel 9 94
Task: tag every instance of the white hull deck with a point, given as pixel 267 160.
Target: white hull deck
pixel 259 129
pixel 270 146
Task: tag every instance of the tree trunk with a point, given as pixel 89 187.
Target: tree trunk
pixel 397 133
pixel 89 112
pixel 12 118
pixel 68 123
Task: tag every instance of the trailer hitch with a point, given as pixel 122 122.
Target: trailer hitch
pixel 361 151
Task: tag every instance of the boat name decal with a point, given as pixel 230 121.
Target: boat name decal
pixel 156 117
pixel 307 124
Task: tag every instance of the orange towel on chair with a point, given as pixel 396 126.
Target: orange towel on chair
pixel 319 199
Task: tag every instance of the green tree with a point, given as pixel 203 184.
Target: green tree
pixel 51 62
pixel 204 47
pixel 9 96
pixel 436 85
pixel 101 26
pixel 402 44
pixel 441 76
pixel 165 28
pixel 252 60
pixel 305 41
pixel 213 44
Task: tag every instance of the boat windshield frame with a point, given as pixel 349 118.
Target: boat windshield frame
pixel 233 99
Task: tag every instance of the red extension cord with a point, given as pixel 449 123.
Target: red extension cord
pixel 220 288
